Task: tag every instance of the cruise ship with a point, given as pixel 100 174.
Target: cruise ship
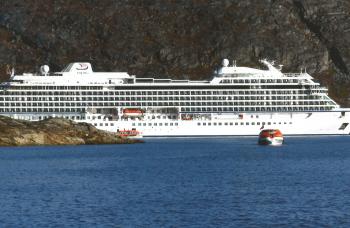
pixel 235 101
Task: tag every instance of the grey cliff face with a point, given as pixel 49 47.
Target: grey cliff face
pixel 179 39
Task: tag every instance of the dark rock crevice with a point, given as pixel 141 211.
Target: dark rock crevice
pixel 315 28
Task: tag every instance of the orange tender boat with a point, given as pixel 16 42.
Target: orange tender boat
pixel 133 133
pixel 272 137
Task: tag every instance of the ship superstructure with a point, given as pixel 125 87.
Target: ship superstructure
pixel 236 101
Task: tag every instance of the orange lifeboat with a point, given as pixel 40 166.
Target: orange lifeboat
pixel 133 133
pixel 132 112
pixel 272 137
pixel 186 117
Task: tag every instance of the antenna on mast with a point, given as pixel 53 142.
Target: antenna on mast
pixel 9 71
pixel 234 63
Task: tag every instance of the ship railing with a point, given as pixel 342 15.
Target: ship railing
pixel 293 74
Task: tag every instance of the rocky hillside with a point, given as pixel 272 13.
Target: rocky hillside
pixel 179 39
pixel 53 132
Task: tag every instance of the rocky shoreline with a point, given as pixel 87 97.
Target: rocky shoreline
pixel 55 131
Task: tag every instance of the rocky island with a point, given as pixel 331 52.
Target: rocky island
pixel 55 131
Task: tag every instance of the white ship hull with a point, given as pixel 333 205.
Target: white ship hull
pixel 236 101
pixel 311 123
pixel 243 124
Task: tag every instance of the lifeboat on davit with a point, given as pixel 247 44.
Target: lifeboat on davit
pixel 271 137
pixel 132 112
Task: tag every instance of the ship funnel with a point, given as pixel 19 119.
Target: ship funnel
pixel 271 67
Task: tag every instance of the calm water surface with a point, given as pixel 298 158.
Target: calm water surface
pixel 184 182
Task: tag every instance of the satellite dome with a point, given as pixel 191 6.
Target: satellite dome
pixel 44 69
pixel 225 62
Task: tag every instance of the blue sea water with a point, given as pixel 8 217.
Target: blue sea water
pixel 178 182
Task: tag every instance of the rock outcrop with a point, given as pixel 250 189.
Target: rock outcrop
pixel 179 39
pixel 53 132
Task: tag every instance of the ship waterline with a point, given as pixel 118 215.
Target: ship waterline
pixel 236 101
